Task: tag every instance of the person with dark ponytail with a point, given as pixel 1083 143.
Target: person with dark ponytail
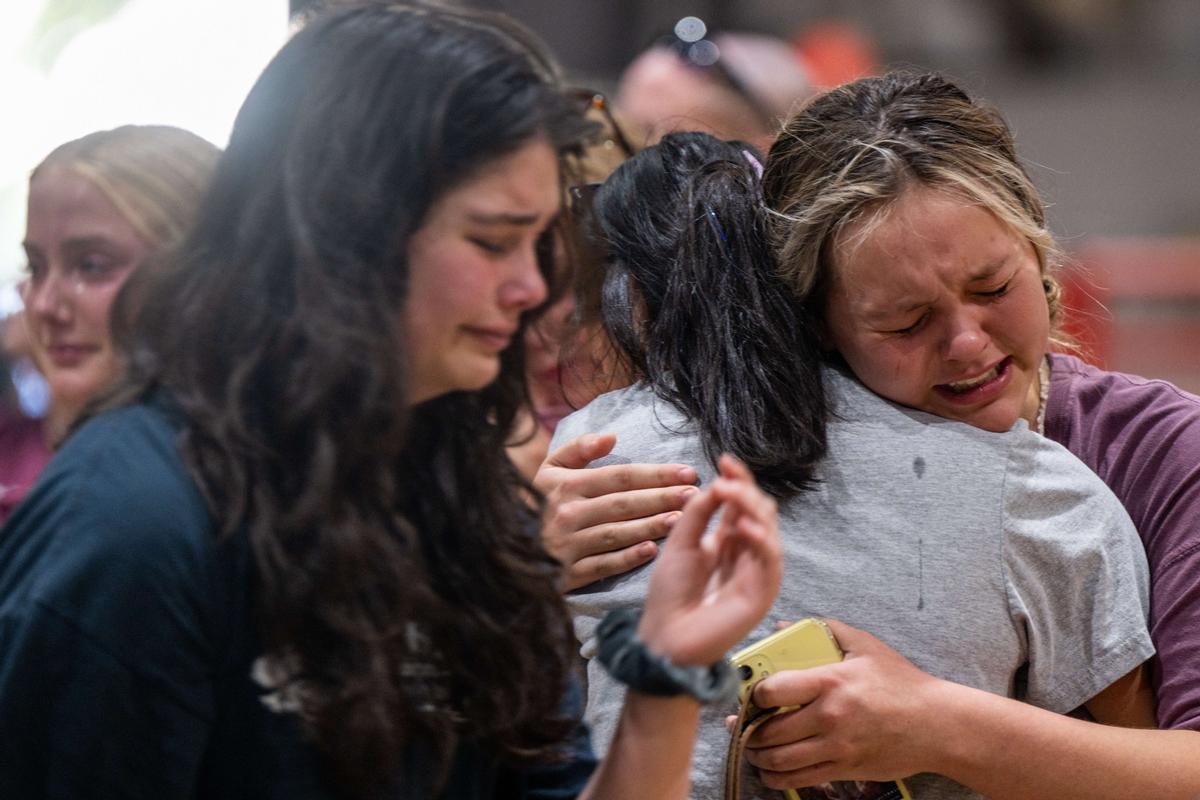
pixel 288 557
pixel 974 554
pixel 675 264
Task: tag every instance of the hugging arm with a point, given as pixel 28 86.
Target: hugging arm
pixel 876 716
pixel 1077 587
pixel 604 521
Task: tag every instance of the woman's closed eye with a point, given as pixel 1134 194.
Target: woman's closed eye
pixel 999 291
pixel 909 329
pixel 492 247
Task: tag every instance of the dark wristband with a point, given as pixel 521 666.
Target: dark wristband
pixel 629 661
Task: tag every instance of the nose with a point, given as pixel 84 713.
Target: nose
pixel 524 286
pixel 48 297
pixel 965 338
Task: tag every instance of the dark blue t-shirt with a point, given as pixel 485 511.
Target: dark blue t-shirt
pixel 127 639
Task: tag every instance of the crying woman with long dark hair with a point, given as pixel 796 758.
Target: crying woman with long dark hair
pixel 291 559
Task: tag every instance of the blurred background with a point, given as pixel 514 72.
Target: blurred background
pixel 1103 95
pixel 69 67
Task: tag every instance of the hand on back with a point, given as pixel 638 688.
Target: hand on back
pixel 605 521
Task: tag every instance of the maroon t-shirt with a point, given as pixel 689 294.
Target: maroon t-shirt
pixel 1142 437
pixel 23 455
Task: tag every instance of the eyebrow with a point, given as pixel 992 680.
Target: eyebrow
pixel 990 270
pixel 74 243
pixel 878 315
pixel 502 218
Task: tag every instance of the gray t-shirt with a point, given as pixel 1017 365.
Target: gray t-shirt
pixel 995 560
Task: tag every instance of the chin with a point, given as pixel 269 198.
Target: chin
pixel 995 427
pixel 991 420
pixel 76 390
pixel 476 380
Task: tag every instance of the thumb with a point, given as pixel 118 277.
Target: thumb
pixel 582 450
pixel 791 687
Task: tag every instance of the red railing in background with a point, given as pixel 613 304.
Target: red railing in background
pixel 1134 305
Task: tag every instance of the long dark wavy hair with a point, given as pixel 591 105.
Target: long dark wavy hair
pixel 400 591
pixel 691 299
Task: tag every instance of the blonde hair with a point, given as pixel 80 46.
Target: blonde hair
pixel 851 153
pixel 154 174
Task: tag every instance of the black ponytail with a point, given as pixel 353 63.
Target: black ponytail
pixel 692 300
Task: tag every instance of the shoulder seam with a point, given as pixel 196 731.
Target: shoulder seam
pixel 71 622
pixel 1009 591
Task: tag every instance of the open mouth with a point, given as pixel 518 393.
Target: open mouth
pixel 972 389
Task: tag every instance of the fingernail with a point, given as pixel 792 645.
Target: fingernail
pixel 687 475
pixel 646 549
pixel 672 519
pixel 689 492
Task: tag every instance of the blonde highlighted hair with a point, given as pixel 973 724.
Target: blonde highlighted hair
pixel 154 174
pixel 851 153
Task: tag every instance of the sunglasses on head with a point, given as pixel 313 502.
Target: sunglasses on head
pixel 592 100
pixel 690 42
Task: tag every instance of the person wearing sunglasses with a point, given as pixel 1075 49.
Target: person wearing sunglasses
pixel 734 85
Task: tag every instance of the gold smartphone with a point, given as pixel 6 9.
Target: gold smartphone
pixel 805 644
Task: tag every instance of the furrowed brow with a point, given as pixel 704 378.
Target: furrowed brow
pixel 891 312
pixel 990 269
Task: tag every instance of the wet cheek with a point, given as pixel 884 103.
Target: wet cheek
pixel 893 372
pixel 95 313
pixel 37 342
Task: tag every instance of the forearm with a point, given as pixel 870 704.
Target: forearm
pixel 705 595
pixel 1007 749
pixel 651 751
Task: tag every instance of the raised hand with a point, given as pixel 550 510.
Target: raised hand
pixel 708 592
pixel 604 521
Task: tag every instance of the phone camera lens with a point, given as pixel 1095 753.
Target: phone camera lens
pixel 745 673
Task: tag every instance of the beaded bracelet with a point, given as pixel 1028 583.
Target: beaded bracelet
pixel 629 661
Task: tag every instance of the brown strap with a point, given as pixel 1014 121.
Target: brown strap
pixel 749 719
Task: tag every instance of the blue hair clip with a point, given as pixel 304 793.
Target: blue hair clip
pixel 720 229
pixel 712 215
